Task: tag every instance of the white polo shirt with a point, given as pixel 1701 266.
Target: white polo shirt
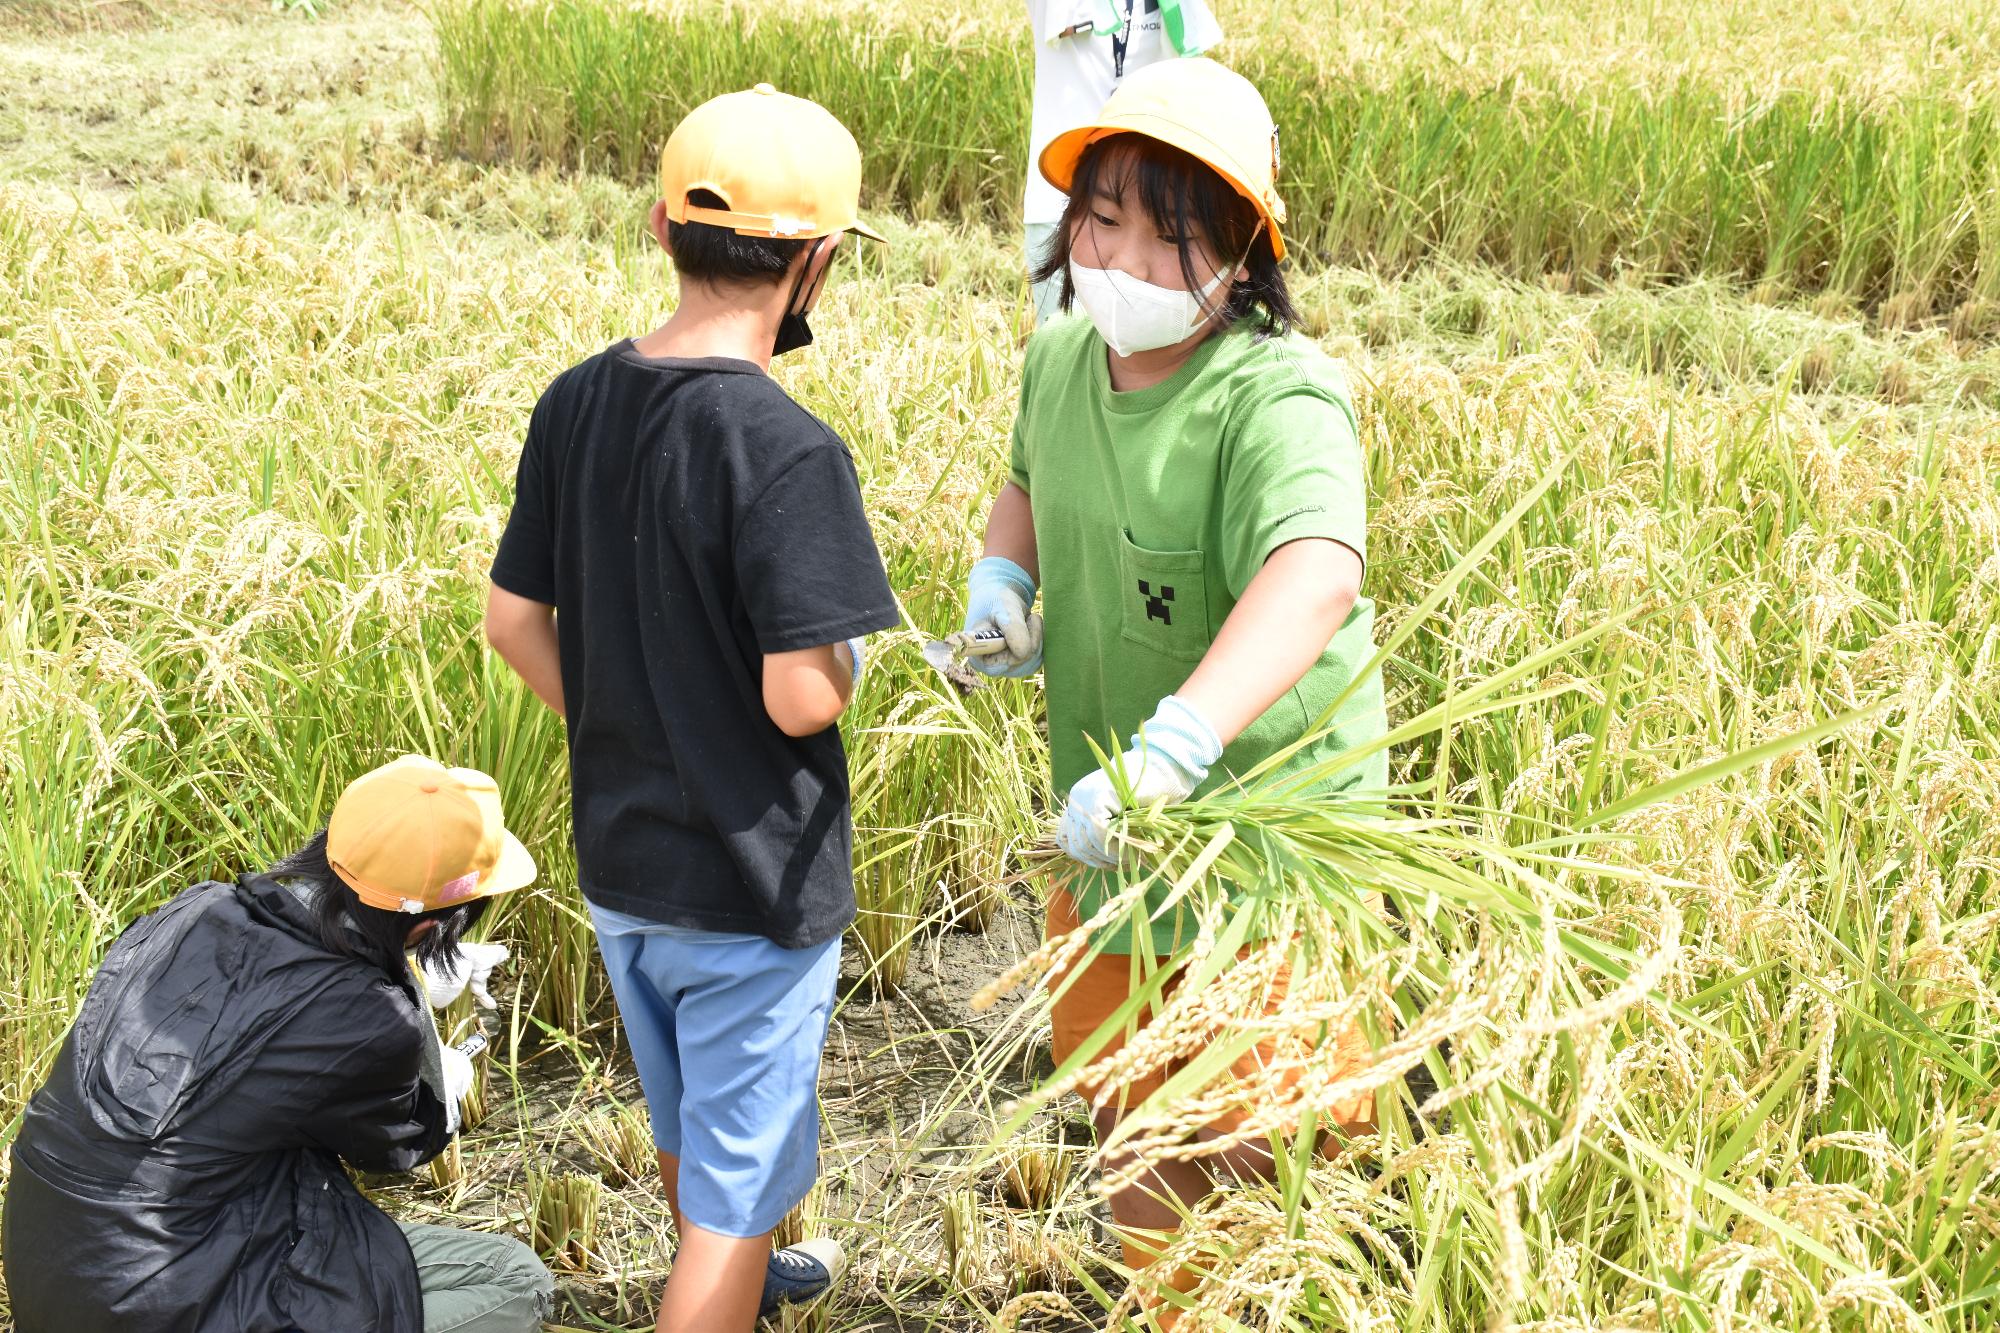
pixel 1075 76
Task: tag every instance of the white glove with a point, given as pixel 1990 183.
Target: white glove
pixel 998 596
pixel 471 964
pixel 1169 758
pixel 457 1082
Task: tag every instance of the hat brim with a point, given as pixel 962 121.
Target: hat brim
pixel 1060 156
pixel 860 228
pixel 1058 167
pixel 514 870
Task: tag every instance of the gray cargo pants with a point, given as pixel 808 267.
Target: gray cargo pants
pixel 475 1282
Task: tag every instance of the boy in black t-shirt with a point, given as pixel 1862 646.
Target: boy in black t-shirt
pixel 686 576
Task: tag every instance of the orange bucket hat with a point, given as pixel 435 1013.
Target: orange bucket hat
pixel 414 836
pixel 1202 108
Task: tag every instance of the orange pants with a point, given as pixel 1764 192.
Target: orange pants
pixel 1105 983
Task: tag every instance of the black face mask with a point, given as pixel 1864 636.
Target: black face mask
pixel 793 333
pixel 793 330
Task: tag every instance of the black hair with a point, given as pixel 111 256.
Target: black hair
pixel 704 252
pixel 351 927
pixel 1186 198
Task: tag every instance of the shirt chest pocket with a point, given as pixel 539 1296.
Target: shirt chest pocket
pixel 1163 600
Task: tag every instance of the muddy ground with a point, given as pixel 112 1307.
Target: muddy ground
pixel 913 1084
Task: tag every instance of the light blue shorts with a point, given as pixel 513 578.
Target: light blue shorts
pixel 727 1032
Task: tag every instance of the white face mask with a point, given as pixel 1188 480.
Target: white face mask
pixel 1135 316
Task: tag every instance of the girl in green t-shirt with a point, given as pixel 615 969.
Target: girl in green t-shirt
pixel 1187 487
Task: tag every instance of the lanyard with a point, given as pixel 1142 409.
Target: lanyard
pixel 1119 41
pixel 1186 25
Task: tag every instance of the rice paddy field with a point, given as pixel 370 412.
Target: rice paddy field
pixel 1676 337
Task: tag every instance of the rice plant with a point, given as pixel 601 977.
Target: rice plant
pixel 472 1107
pixel 1034 1175
pixel 620 1139
pixel 804 1220
pixel 562 1212
pixel 447 1169
pixel 962 1225
pixel 1835 185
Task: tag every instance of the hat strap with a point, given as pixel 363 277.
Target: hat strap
pixel 761 224
pixel 354 882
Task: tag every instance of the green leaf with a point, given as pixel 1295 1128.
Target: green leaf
pixel 1717 769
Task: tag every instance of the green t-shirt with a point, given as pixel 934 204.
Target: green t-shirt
pixel 1154 510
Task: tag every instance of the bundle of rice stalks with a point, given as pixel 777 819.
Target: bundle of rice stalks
pixel 448 1167
pixel 473 1106
pixel 803 1220
pixel 620 1139
pixel 562 1212
pixel 1036 1174
pixel 962 1215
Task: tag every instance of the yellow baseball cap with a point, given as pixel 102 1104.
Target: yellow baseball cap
pixel 784 166
pixel 413 835
pixel 1200 107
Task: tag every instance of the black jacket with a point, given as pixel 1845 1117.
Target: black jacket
pixel 180 1170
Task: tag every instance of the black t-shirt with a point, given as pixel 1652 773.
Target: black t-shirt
pixel 685 517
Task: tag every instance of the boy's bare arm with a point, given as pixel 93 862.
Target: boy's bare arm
pixel 523 632
pixel 1285 619
pixel 805 691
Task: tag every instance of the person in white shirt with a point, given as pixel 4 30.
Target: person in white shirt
pixel 1082 49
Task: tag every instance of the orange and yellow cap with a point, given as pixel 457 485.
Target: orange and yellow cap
pixel 413 836
pixel 784 166
pixel 1202 108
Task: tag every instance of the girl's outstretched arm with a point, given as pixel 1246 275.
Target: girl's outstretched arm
pixel 1287 615
pixel 1280 626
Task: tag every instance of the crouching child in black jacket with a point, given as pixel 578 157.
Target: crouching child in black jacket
pixel 180 1171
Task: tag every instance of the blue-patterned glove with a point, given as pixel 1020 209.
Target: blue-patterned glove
pixel 1169 758
pixel 998 596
